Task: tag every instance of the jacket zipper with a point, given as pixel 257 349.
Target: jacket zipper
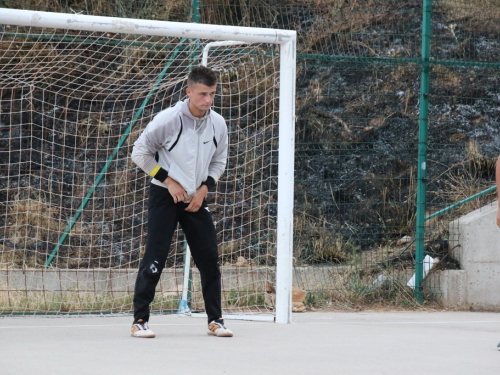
pixel 197 154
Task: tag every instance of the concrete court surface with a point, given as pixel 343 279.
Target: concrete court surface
pixel 316 343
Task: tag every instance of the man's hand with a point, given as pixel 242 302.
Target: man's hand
pixel 498 217
pixel 176 190
pixel 197 199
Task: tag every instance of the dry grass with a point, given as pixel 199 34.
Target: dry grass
pixel 151 9
pixel 330 249
pixel 447 77
pixel 8 257
pixel 459 182
pixel 30 302
pixel 31 219
pixel 478 16
pixel 461 185
pixel 385 255
pixel 228 251
pixel 477 163
pixel 133 60
pixel 355 288
pixel 312 245
pixel 466 179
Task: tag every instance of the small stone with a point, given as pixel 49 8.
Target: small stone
pixel 298 307
pixel 404 240
pixel 241 262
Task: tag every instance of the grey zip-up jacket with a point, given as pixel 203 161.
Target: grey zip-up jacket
pixel 188 149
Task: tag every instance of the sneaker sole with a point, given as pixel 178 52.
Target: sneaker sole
pixel 144 336
pixel 221 335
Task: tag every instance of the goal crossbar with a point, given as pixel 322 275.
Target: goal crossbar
pixel 144 27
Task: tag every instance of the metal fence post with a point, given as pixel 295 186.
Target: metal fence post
pixel 422 148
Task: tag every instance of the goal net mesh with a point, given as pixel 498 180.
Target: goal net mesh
pixel 73 206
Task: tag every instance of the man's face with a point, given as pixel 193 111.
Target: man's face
pixel 201 98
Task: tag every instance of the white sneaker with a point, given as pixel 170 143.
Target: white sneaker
pixel 217 328
pixel 141 329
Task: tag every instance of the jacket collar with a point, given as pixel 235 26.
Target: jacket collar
pixel 186 112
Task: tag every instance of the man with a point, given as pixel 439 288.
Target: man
pixel 497 176
pixel 184 149
pixel 498 188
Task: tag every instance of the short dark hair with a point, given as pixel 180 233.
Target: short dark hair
pixel 202 74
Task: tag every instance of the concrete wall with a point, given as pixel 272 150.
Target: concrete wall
pixel 73 290
pixel 475 240
pixel 123 280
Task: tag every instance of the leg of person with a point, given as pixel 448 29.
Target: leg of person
pixel 202 239
pixel 162 221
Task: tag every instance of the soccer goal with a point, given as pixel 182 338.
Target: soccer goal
pixel 76 91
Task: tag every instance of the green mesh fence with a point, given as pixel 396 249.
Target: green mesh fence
pixel 357 130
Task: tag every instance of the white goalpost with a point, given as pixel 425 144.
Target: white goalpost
pixel 75 93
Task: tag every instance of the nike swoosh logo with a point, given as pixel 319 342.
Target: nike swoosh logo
pixel 206 142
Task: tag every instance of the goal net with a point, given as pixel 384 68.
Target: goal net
pixel 73 206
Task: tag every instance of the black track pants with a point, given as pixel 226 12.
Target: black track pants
pixel 163 216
